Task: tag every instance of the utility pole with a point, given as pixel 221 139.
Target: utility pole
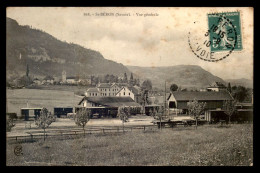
pixel 165 102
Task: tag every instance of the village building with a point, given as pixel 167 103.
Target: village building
pixel 92 92
pixel 85 81
pixel 216 86
pixel 104 89
pixel 48 80
pixel 179 100
pixel 108 89
pixel 132 92
pixel 71 80
pixel 37 81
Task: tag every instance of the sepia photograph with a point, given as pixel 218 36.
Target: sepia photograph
pixel 129 86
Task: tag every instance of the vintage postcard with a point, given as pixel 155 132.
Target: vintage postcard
pixel 129 86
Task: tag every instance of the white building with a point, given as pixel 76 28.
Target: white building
pixel 92 92
pixel 129 92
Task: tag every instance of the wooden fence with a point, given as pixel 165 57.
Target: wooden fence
pixel 72 134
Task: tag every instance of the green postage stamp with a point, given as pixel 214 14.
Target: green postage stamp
pixel 225 32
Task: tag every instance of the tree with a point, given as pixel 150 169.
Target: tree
pixel 123 113
pixel 82 117
pixel 195 109
pixel 230 107
pixel 239 93
pixel 158 114
pixel 125 78
pixel 137 82
pixel 27 70
pixel 9 124
pixel 229 88
pixel 147 85
pixel 131 81
pixel 44 120
pixel 144 97
pixel 173 87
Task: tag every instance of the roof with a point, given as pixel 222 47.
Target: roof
pixel 92 90
pixel 103 85
pixel 203 96
pixel 217 84
pixel 111 101
pixel 132 89
pixel 31 108
pixel 48 78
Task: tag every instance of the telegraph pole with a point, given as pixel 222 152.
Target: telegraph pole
pixel 165 103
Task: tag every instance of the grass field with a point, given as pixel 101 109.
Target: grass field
pixel 18 98
pixel 208 145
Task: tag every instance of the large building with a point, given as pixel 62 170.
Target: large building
pixel 107 89
pixel 104 90
pixel 132 92
pixel 214 100
pixel 115 102
pixel 92 92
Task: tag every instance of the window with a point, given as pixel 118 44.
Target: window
pixel 105 94
pixel 96 94
pixel 129 93
pixel 105 89
pixel 124 93
pixel 109 94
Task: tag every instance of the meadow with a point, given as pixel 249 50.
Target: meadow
pixel 209 145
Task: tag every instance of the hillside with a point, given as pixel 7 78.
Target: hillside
pixel 243 82
pixel 186 76
pixel 47 55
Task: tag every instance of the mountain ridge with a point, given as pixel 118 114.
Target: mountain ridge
pixel 47 55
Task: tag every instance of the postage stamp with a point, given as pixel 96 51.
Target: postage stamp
pixel 226 33
pixel 223 36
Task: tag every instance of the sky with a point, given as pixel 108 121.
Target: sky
pixel 141 39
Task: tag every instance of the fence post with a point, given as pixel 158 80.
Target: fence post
pixel 144 128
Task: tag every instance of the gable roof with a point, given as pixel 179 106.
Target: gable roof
pixel 103 85
pixel 134 90
pixel 92 90
pixel 111 101
pixel 203 96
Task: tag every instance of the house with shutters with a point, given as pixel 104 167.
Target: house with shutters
pixel 130 91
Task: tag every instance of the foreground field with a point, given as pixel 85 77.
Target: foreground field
pixel 208 145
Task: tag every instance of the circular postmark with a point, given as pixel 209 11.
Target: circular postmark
pixel 18 150
pixel 217 43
